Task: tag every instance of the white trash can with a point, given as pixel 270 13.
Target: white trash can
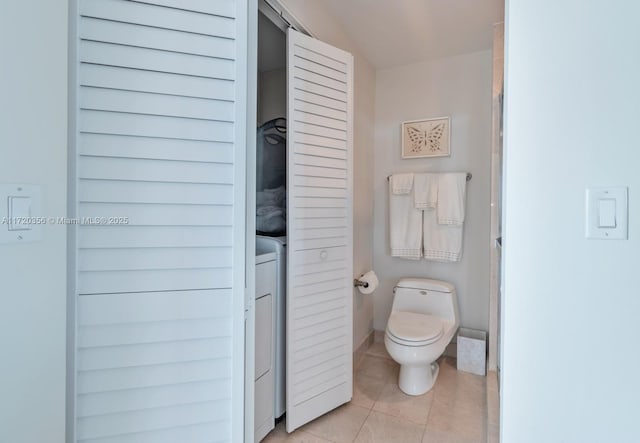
pixel 472 351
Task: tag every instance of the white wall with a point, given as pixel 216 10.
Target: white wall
pixel 570 305
pixel 33 149
pixel 318 21
pixel 459 87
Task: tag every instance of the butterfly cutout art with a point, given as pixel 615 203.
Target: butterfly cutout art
pixel 423 140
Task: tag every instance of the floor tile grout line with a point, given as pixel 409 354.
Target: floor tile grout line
pixel 362 425
pixel 318 436
pixel 424 432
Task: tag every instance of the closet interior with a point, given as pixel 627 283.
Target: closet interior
pixel 271 227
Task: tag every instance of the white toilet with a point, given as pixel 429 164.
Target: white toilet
pixel 423 320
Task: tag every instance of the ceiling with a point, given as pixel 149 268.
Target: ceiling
pixel 398 32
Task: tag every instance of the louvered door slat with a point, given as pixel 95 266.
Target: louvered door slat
pixel 109 31
pixel 130 191
pixel 319 290
pixel 155 104
pixel 111 54
pixel 154 14
pixel 115 145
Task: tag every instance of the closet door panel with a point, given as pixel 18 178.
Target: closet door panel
pixel 319 281
pixel 159 146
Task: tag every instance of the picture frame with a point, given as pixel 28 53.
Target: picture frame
pixel 429 137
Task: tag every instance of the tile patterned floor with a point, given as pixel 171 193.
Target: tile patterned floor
pixel 461 408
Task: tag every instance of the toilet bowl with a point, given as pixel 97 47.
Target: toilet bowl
pixel 423 320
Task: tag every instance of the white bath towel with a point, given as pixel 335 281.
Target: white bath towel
pixel 425 190
pixel 441 242
pixel 405 226
pixel 401 183
pixel 451 198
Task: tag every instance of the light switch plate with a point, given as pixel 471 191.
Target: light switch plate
pixel 606 213
pixel 21 218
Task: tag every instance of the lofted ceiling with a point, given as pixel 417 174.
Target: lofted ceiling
pixel 397 32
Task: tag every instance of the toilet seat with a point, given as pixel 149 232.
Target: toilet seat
pixel 413 329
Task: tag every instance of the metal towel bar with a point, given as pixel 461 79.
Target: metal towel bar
pixel 469 175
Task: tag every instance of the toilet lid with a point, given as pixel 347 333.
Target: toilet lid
pixel 414 327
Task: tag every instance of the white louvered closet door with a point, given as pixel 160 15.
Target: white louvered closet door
pixel 160 168
pixel 319 228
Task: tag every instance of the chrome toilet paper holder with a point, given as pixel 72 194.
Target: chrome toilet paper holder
pixel 357 283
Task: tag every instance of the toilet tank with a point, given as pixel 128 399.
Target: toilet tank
pixel 426 296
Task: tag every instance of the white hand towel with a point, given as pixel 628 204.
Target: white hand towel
pixel 405 226
pixel 441 242
pixel 425 190
pixel 451 198
pixel 401 183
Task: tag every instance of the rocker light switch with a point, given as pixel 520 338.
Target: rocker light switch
pixel 19 213
pixel 606 214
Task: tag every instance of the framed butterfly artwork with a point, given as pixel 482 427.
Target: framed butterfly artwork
pixel 426 138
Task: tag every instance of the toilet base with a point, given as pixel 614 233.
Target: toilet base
pixel 417 380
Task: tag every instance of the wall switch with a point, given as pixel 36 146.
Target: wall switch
pixel 19 213
pixel 21 219
pixel 606 213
